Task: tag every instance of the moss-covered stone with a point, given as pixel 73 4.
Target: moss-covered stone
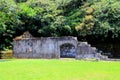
pixel 6 54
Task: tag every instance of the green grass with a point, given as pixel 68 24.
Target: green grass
pixel 38 69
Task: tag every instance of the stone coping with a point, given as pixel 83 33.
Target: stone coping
pixel 58 38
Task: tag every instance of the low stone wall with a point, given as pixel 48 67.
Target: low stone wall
pixel 53 47
pixel 6 54
pixel 47 47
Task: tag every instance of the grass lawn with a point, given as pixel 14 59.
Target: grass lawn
pixel 38 69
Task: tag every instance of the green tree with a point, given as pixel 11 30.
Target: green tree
pixel 8 20
pixel 107 15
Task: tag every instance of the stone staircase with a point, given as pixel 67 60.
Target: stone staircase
pixel 86 51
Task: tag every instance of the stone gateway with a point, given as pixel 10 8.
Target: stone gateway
pixel 52 47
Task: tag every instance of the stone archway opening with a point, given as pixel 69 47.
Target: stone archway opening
pixel 67 50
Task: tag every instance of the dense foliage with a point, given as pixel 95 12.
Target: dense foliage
pixel 86 19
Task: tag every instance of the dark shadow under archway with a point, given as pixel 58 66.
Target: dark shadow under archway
pixel 67 51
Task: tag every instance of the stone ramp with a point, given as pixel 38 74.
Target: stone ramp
pixel 85 51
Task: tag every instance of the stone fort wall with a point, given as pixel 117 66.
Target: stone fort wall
pixel 48 47
pixel 53 47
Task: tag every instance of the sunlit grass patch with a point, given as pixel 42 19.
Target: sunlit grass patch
pixel 39 69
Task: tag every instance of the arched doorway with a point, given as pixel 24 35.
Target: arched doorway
pixel 67 51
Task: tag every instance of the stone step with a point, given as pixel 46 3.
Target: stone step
pixel 83 43
pixel 89 51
